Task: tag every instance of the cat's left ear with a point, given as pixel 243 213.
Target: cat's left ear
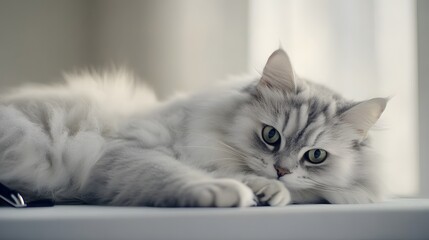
pixel 278 72
pixel 365 114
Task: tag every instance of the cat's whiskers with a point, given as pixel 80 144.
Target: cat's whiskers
pixel 209 147
pixel 241 157
pixel 238 161
pixel 321 186
pixel 218 149
pixel 240 164
pixel 228 147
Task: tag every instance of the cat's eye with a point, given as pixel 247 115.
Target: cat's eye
pixel 270 135
pixel 316 156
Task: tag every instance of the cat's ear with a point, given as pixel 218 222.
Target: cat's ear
pixel 278 72
pixel 364 115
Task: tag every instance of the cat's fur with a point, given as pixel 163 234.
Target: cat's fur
pixel 102 139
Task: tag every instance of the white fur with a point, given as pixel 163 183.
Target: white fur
pixel 52 136
pixel 104 139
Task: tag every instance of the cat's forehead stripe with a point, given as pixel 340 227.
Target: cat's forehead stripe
pixel 332 109
pixel 303 117
pixel 291 123
pixel 314 128
pixel 296 121
pixel 314 136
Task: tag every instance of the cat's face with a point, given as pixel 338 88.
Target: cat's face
pixel 301 133
pixel 298 139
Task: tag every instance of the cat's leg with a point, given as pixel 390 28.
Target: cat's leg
pixel 135 176
pixel 268 191
pixel 38 156
pixel 24 148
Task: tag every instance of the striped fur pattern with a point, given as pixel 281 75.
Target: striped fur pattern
pixel 102 139
pixel 311 118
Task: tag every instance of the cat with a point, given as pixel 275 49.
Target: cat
pixel 272 140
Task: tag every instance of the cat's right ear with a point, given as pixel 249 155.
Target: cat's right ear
pixel 278 73
pixel 364 115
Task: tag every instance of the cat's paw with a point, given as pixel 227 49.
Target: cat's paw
pixel 269 192
pixel 218 193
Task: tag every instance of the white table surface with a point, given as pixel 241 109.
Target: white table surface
pixel 399 219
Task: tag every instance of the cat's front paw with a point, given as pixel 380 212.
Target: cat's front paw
pixel 217 193
pixel 269 192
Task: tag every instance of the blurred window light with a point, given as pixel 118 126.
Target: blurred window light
pixel 362 49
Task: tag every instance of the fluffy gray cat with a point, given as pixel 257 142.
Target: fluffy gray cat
pixel 276 140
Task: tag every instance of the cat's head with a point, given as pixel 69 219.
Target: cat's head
pixel 307 136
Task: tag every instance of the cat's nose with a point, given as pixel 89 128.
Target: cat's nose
pixel 281 171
